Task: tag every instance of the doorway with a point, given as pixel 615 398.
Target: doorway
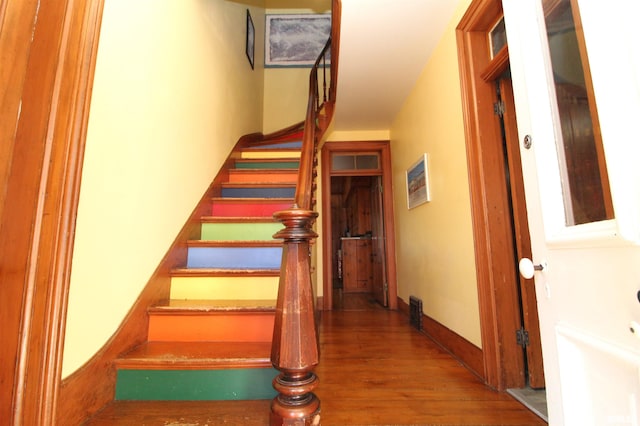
pixel 357 219
pixel 508 308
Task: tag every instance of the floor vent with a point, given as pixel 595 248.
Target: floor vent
pixel 415 312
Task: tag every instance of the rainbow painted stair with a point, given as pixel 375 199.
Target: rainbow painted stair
pixel 212 339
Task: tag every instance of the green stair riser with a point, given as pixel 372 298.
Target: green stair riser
pixel 239 231
pixel 224 288
pixel 267 165
pixel 195 385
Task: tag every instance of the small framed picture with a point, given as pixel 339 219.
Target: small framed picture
pixel 251 39
pixel 418 182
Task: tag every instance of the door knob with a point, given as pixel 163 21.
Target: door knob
pixel 527 268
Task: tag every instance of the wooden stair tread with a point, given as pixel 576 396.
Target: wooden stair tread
pixel 216 272
pixel 267 160
pixel 240 243
pixel 257 184
pixel 251 200
pixel 236 219
pixel 259 171
pixel 270 149
pixel 196 355
pixel 193 306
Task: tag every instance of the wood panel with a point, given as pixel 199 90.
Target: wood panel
pixel 493 234
pixel 356 264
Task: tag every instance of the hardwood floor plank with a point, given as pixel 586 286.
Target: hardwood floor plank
pixel 375 369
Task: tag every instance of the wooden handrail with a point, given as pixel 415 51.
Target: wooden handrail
pixel 295 351
pixel 312 133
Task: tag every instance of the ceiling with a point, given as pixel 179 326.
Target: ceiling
pixel 384 45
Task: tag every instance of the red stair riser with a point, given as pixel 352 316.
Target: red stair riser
pixel 247 209
pixel 255 327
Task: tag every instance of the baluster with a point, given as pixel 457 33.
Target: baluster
pixel 295 339
pixel 324 79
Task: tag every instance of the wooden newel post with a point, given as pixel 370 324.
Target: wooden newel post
pixel 295 338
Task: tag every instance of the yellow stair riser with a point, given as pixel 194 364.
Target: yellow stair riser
pixel 224 288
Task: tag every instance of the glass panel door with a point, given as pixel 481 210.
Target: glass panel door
pixel 585 184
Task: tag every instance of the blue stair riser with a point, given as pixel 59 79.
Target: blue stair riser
pixel 195 385
pixel 258 192
pixel 234 257
pixel 285 145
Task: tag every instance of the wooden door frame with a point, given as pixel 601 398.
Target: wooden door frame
pixel 383 147
pixel 52 68
pixel 493 234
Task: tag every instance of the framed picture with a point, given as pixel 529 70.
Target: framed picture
pixel 418 182
pixel 295 40
pixel 251 39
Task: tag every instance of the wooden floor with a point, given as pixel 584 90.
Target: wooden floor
pixel 374 370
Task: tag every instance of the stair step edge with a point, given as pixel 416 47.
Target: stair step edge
pixel 199 307
pixel 210 272
pixel 237 219
pixel 202 364
pixel 248 200
pixel 196 356
pixel 234 243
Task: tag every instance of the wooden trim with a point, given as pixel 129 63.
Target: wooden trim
pixel 494 249
pixel 498 64
pixel 385 155
pixel 56 43
pixel 460 348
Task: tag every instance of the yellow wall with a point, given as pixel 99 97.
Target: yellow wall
pixel 173 92
pixel 434 241
pixel 286 89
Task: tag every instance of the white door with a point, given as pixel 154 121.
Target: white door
pixel 588 292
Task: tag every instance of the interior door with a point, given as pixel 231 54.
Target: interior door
pixel 585 238
pixel 378 254
pixel 522 240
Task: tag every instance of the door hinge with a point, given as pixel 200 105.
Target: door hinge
pixel 498 108
pixel 385 287
pixel 522 337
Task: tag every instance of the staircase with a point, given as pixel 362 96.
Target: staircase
pixel 212 339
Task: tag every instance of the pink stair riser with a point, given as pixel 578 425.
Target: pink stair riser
pixel 240 209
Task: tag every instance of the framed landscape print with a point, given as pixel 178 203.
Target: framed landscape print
pixel 295 40
pixel 418 182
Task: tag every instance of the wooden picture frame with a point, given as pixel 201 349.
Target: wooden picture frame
pixel 417 178
pixel 251 40
pixel 295 40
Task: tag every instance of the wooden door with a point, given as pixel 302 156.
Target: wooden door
pixel 378 269
pixel 356 254
pixel 529 335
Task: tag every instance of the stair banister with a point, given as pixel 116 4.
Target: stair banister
pixel 295 351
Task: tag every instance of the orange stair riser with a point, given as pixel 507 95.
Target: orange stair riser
pixel 220 328
pixel 269 177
